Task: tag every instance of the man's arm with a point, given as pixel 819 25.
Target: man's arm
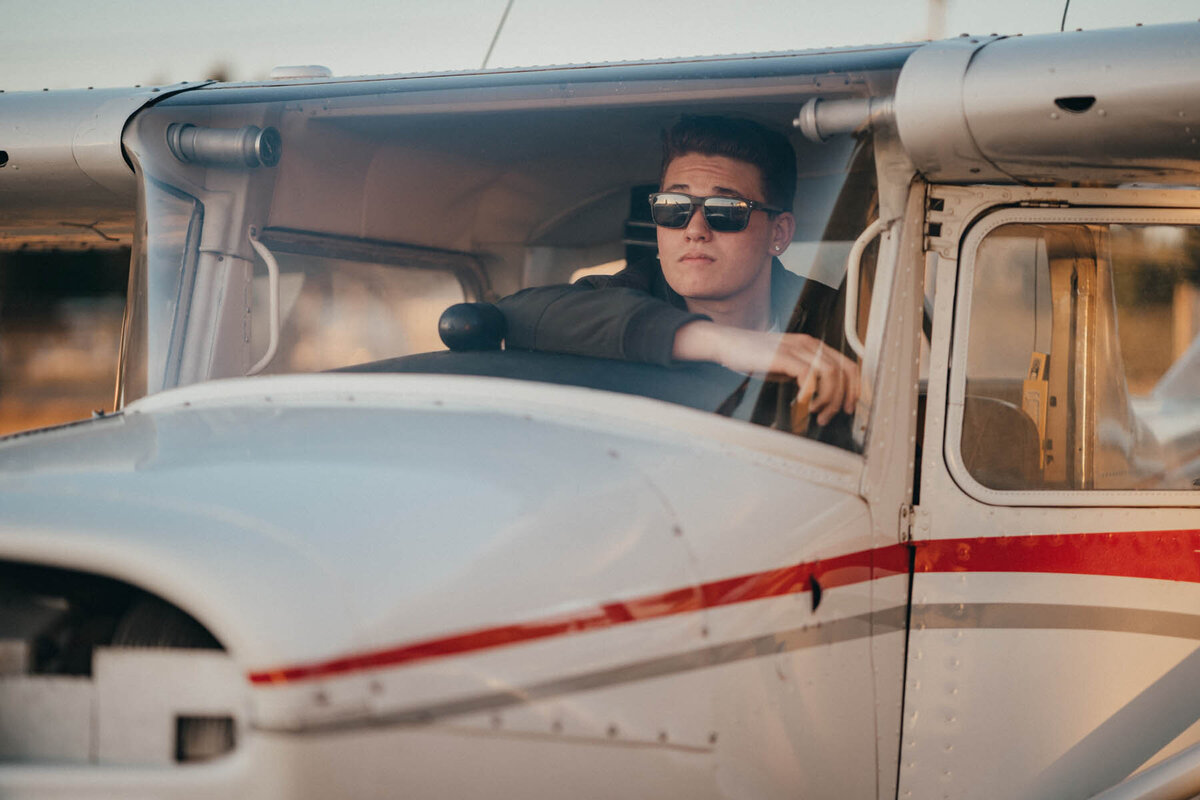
pixel 616 317
pixel 828 381
pixel 594 318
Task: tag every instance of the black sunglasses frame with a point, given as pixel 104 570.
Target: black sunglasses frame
pixel 716 214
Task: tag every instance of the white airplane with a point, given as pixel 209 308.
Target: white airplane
pixel 315 554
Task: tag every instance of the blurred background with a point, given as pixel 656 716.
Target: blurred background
pixel 60 311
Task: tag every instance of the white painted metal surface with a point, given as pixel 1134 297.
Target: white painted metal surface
pixel 460 510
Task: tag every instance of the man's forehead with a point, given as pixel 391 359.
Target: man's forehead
pixel 712 174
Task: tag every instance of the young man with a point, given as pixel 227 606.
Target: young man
pixel 717 291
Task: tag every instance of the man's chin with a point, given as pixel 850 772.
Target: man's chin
pixel 694 279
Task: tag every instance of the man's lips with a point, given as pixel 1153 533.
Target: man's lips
pixel 695 258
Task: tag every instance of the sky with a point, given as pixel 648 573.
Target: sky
pixel 61 44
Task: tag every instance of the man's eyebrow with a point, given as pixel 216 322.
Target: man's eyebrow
pixel 717 190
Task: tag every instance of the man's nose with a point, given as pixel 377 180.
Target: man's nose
pixel 697 227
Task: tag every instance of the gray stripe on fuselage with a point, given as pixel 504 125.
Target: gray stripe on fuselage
pixel 1052 616
pixel 936 616
pixel 843 630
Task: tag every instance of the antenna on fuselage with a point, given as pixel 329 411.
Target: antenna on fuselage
pixel 1063 25
pixel 935 19
pixel 507 7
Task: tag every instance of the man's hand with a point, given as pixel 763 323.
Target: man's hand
pixel 828 381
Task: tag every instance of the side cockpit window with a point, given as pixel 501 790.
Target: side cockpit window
pixel 1082 365
pixel 346 302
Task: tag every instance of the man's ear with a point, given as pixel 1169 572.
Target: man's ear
pixel 783 227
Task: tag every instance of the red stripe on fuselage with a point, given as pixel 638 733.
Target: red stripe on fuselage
pixel 1165 555
pixel 1162 555
pixel 838 571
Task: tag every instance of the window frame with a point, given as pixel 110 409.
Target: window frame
pixel 957 377
pixel 167 374
pixel 465 267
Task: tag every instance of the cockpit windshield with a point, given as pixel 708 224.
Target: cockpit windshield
pixel 316 228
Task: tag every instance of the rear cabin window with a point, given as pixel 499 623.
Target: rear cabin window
pixel 1083 358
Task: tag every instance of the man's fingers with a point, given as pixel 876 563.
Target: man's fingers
pixel 817 390
pixel 831 386
pixel 830 394
pixel 845 372
pixel 807 388
pixel 832 378
pixel 826 380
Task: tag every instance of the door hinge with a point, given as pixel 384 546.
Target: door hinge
pixel 906 522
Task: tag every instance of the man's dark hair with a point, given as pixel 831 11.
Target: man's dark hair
pixel 740 139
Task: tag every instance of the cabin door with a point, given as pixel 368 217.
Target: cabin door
pixel 1054 631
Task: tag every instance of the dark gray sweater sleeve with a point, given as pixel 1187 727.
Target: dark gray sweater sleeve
pixel 594 318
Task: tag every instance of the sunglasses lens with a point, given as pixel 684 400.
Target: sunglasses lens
pixel 723 214
pixel 670 210
pixel 726 214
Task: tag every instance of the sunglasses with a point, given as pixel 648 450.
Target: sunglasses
pixel 723 214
